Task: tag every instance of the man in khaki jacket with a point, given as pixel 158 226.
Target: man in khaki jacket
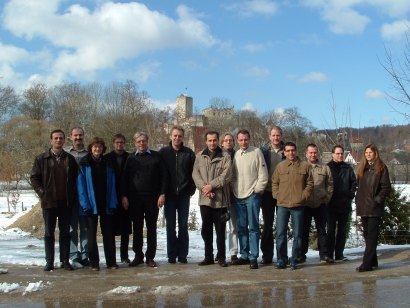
pixel 212 175
pixel 292 184
pixel 316 205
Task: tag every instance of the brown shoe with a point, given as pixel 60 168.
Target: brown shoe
pixel 136 262
pixel 151 263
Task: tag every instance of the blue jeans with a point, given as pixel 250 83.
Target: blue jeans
pixel 282 220
pixel 247 215
pixel 177 246
pixel 78 222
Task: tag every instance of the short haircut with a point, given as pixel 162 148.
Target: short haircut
pixel 243 132
pixel 139 134
pixel 97 141
pixel 56 131
pixel 211 132
pixel 311 145
pixel 77 127
pixel 290 144
pixel 337 146
pixel 274 127
pixel 118 136
pixel 178 127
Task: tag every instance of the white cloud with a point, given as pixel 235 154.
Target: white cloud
pixel 395 31
pixel 248 107
pixel 394 8
pixel 254 48
pixel 164 104
pixel 89 40
pixel 254 7
pixel 256 71
pixel 313 77
pixel 375 94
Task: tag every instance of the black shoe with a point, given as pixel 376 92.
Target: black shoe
pixel 182 260
pixel 49 267
pixel 253 264
pixel 241 261
pixel 293 266
pixel 84 262
pixel 172 260
pixel 206 262
pixel 280 264
pixel 151 263
pixel 361 268
pixel 266 261
pixel 216 259
pixel 234 258
pixel 67 266
pixel 126 261
pixel 136 262
pixel 222 263
pixel 341 259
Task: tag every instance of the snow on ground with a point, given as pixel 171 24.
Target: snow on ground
pixel 18 288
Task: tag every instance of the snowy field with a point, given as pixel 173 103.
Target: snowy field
pixel 20 248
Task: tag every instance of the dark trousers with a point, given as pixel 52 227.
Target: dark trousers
pixel 144 207
pixel 108 239
pixel 268 213
pixel 177 243
pixel 319 214
pixel 124 243
pixel 371 227
pixel 212 217
pixel 63 213
pixel 122 227
pixel 336 233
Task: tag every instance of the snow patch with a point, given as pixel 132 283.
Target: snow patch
pixel 175 290
pixel 8 287
pixel 125 290
pixel 34 287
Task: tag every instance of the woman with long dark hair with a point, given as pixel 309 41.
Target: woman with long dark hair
pixel 373 189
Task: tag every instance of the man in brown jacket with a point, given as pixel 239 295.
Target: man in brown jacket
pixel 316 204
pixel 292 184
pixel 212 174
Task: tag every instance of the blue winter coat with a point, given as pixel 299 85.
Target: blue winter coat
pixel 86 194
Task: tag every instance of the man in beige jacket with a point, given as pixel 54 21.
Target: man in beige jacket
pixel 212 175
pixel 316 204
pixel 292 184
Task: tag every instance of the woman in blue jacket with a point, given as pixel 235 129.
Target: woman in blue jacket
pixel 97 197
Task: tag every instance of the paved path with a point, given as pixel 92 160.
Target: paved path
pixel 189 285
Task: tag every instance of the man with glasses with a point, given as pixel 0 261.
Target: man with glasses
pixel 339 208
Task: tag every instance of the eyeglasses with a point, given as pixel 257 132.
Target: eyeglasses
pixel 338 153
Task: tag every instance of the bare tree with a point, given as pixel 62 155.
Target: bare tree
pixel 8 100
pixel 35 104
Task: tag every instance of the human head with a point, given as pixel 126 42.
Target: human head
pixel 337 153
pixel 141 141
pixel 177 136
pixel 118 142
pixel 228 141
pixel 371 153
pixel 77 137
pixel 243 137
pixel 57 139
pixel 311 153
pixel 371 156
pixel 275 137
pixel 290 151
pixel 97 147
pixel 212 140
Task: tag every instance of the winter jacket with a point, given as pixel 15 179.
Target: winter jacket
pixel 144 174
pixel 372 191
pixel 217 173
pixel 292 183
pixel 272 159
pixel 42 179
pixel 322 185
pixel 118 170
pixel 344 187
pixel 85 187
pixel 179 165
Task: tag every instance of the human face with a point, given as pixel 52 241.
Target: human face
pixel 370 155
pixel 290 152
pixel 141 144
pixel 177 137
pixel 275 138
pixel 337 156
pixel 57 141
pixel 96 150
pixel 311 155
pixel 77 137
pixel 119 145
pixel 212 142
pixel 243 141
pixel 228 143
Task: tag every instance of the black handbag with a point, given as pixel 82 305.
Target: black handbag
pixel 225 216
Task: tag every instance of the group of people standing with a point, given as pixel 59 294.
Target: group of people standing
pixel 78 186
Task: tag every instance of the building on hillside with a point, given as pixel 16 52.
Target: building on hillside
pixel 356 143
pixel 351 158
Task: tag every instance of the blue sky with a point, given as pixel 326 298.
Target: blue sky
pixel 261 55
